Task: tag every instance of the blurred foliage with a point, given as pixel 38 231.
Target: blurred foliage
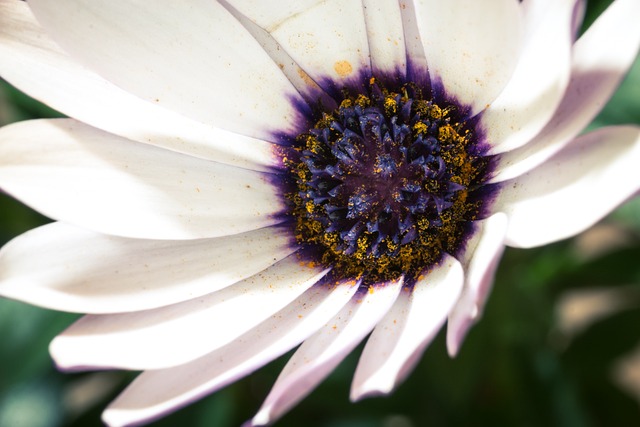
pixel 518 366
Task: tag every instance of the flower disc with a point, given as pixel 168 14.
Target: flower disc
pixel 384 184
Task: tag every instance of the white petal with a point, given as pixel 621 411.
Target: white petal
pixel 472 47
pixel 328 39
pixel 578 17
pixel 480 260
pixel 155 393
pixel 386 36
pixel 32 62
pixel 417 69
pixel 321 353
pixel 78 174
pixel 180 333
pixel 62 267
pixel 190 57
pixel 534 92
pixel 299 78
pixel 597 69
pixel 397 343
pixel 574 189
pixel 534 13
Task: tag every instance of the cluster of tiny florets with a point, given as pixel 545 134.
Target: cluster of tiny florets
pixel 382 183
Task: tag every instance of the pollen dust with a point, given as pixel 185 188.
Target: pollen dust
pixel 343 68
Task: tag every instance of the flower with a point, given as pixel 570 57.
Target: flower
pixel 238 178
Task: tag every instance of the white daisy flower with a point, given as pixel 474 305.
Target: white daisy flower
pixel 241 177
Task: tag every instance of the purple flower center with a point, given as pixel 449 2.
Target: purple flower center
pixel 383 183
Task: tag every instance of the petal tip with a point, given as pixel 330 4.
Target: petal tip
pixel 454 340
pixel 364 393
pixel 452 349
pixel 262 418
pixel 57 353
pixel 67 359
pixel 373 387
pixel 113 418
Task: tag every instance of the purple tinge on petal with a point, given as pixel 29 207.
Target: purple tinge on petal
pixel 480 262
pixel 386 35
pixel 597 69
pixel 321 353
pixel 397 342
pixel 417 67
pixel 578 16
pixel 155 394
pixel 574 189
pixel 156 339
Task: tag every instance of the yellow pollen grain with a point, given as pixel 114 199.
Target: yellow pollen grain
pixel 308 264
pixel 305 77
pixel 390 105
pixel 363 101
pixel 346 103
pixel 343 68
pixel 309 206
pixel 420 127
pixel 446 132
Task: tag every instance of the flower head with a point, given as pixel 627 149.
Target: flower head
pixel 241 177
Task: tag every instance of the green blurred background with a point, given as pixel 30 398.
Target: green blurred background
pixel 558 344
